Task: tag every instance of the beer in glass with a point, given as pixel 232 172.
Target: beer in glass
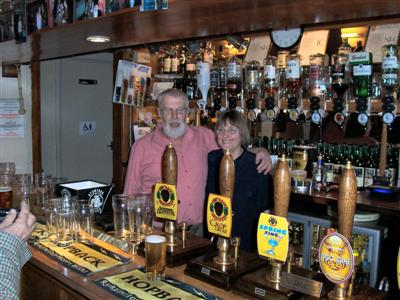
pixel 155 246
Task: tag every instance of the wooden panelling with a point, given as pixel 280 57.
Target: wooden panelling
pixel 195 19
pixel 36 123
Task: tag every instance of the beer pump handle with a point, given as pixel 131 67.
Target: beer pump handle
pixel 169 165
pixel 282 188
pixel 227 175
pixel 383 151
pixel 347 200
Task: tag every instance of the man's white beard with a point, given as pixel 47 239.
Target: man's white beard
pixel 172 132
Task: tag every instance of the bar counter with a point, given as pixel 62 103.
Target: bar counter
pixel 44 278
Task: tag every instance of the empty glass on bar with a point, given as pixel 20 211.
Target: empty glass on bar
pixel 120 214
pixel 50 217
pixel 64 219
pixel 155 247
pixel 140 213
pixel 83 220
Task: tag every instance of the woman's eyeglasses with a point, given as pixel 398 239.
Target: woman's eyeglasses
pixel 228 130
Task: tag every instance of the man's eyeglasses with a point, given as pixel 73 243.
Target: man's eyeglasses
pixel 228 130
pixel 170 111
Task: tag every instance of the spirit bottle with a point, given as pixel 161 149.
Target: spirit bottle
pixel 319 175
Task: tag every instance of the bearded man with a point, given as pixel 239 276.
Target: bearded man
pixel 192 145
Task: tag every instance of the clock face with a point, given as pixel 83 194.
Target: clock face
pixel 286 38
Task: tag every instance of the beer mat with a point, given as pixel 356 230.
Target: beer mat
pixel 83 258
pixel 134 285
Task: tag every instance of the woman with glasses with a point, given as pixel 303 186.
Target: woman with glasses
pixel 252 192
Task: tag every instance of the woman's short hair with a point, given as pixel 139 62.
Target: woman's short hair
pixel 236 119
pixel 175 93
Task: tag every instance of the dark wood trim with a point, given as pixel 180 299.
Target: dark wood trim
pixel 188 19
pixel 121 131
pixel 36 122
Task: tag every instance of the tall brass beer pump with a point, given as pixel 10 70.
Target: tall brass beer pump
pixel 169 167
pixel 226 186
pixel 346 208
pixel 223 268
pixel 282 190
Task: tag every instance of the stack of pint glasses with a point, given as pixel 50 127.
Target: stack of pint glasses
pixel 133 222
pixel 68 220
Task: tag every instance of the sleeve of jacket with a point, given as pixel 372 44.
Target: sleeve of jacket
pixel 14 253
pixel 264 192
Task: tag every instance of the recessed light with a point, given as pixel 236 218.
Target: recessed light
pixel 98 39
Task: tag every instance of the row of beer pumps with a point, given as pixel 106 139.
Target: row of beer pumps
pixel 282 78
pixel 250 273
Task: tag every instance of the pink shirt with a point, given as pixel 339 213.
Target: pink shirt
pixel 144 168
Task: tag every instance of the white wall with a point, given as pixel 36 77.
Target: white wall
pixel 18 150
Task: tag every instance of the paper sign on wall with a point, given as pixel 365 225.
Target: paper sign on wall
pixel 11 122
pixel 380 35
pixel 312 42
pixel 258 49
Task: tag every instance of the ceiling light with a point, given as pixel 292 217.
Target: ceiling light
pixel 98 39
pixel 350 35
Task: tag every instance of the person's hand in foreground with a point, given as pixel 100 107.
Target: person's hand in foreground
pixel 21 225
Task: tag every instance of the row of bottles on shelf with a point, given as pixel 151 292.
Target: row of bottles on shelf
pixel 364 159
pixel 256 88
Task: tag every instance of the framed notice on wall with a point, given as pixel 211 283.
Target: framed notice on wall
pixel 379 36
pixel 312 42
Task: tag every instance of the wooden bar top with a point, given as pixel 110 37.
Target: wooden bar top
pixel 44 278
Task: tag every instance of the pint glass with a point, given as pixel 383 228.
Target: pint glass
pixel 6 192
pixel 120 213
pixel 155 246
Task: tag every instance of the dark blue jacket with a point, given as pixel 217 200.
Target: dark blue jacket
pixel 252 194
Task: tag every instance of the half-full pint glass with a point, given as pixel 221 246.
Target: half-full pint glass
pixel 155 246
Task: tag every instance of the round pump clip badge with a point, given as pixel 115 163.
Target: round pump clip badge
pixel 336 258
